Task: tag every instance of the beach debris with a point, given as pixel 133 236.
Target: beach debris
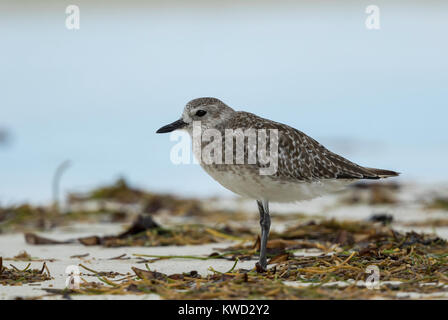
pixel 79 256
pixel 160 236
pixel 438 203
pixel 343 254
pixel 372 193
pixel 433 223
pixel 116 203
pixel 23 256
pixel 341 275
pixel 25 216
pixel 120 257
pixel 120 192
pixel 91 241
pixel 384 218
pixel 142 223
pixel 15 277
pixel 146 232
pixel 32 238
pixel 110 274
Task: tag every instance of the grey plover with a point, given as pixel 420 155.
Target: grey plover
pixel 304 169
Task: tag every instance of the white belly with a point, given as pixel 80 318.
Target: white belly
pixel 260 187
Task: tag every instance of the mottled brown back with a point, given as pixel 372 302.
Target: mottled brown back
pixel 301 158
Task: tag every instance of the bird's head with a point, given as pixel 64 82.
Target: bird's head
pixel 211 112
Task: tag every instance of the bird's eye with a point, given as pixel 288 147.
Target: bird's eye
pixel 201 113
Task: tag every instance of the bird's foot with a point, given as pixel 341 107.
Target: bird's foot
pixel 260 268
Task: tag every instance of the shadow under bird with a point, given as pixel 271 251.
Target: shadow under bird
pixel 304 169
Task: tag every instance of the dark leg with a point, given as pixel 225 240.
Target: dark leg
pixel 265 224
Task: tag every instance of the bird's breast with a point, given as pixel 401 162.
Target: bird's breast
pixel 247 182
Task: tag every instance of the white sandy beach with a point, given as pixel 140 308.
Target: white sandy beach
pixel 58 257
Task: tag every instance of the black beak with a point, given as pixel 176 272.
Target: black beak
pixel 179 124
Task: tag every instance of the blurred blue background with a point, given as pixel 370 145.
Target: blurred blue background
pixel 97 95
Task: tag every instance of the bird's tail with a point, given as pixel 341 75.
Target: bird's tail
pixel 383 173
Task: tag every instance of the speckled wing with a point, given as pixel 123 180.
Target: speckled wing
pixel 301 158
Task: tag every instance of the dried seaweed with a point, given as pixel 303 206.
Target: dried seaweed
pixel 248 284
pixel 434 223
pixel 115 203
pixel 25 256
pixel 32 238
pixel 438 203
pixel 121 192
pixel 407 262
pixel 16 277
pixel 159 236
pixel 373 193
pixel 145 232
